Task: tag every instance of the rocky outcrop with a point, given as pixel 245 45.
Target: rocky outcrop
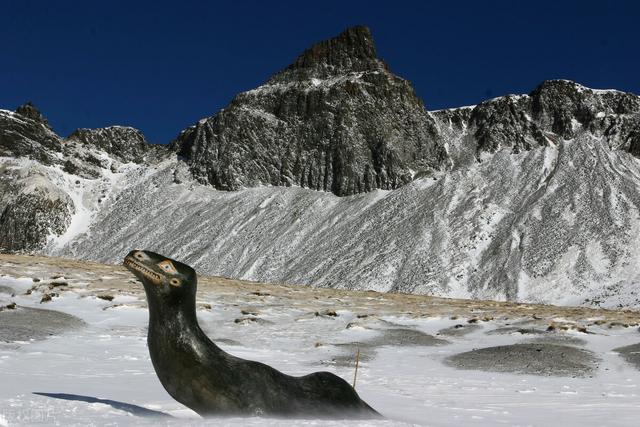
pixel 125 143
pixel 37 213
pixel 335 120
pixel 35 186
pixel 26 133
pixel 28 110
pixel 555 110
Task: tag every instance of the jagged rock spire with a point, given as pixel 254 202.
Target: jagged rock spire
pixel 351 51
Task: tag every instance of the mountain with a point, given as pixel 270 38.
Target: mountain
pixel 336 175
pixel 335 120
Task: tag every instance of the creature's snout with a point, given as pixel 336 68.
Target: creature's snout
pixel 134 263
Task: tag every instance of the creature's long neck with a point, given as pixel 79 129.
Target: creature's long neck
pixel 172 320
pixel 174 327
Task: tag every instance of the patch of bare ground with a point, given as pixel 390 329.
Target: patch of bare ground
pixel 104 281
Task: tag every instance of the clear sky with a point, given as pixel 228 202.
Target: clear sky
pixel 160 66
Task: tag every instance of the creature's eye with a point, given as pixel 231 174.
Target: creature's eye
pixel 174 282
pixel 139 255
pixel 167 266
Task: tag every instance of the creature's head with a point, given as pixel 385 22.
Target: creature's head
pixel 165 280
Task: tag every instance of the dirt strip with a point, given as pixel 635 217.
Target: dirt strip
pixel 103 280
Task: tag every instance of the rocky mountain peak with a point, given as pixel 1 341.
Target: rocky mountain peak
pixel 336 120
pixel 353 50
pixel 30 111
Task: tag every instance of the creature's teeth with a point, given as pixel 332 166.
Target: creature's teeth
pixel 142 269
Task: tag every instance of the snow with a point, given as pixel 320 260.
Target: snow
pixel 464 107
pixel 88 195
pixel 408 385
pixel 313 83
pixel 605 91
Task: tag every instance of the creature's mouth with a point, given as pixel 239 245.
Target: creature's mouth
pixel 134 265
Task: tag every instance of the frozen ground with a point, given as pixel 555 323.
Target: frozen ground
pixel 100 373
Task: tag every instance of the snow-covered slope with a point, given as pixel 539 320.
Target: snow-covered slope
pixel 534 226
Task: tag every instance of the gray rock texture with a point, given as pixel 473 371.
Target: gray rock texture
pixel 25 133
pixel 533 359
pixel 630 353
pixel 557 110
pixel 125 143
pixel 404 337
pixel 335 120
pixel 24 323
pixel 28 221
pixel 36 203
pixel 458 330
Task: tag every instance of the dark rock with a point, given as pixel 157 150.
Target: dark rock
pixel 352 50
pixel 24 324
pixel 260 293
pixel 46 298
pixel 406 337
pixel 335 120
pixel 76 167
pixel 29 111
pixel 125 143
pixel 556 110
pixel 248 320
pixel 349 358
pixel 535 359
pixel 105 297
pixel 23 136
pixel 561 339
pixel 630 353
pixel 327 312
pixel 458 330
pixel 27 222
pixel 400 337
pixel 516 330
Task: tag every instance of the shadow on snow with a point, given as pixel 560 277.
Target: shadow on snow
pixel 127 407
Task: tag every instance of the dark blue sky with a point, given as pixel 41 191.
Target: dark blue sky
pixel 160 66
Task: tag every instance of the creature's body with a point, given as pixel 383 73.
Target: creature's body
pixel 197 373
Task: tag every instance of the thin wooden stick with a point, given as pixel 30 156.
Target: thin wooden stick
pixel 355 374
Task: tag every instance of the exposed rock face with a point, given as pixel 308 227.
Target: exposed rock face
pixel 335 120
pixel 26 133
pixel 125 143
pixel 28 110
pixel 27 222
pixel 44 170
pixel 557 109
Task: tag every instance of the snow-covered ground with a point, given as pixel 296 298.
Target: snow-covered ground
pixel 409 384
